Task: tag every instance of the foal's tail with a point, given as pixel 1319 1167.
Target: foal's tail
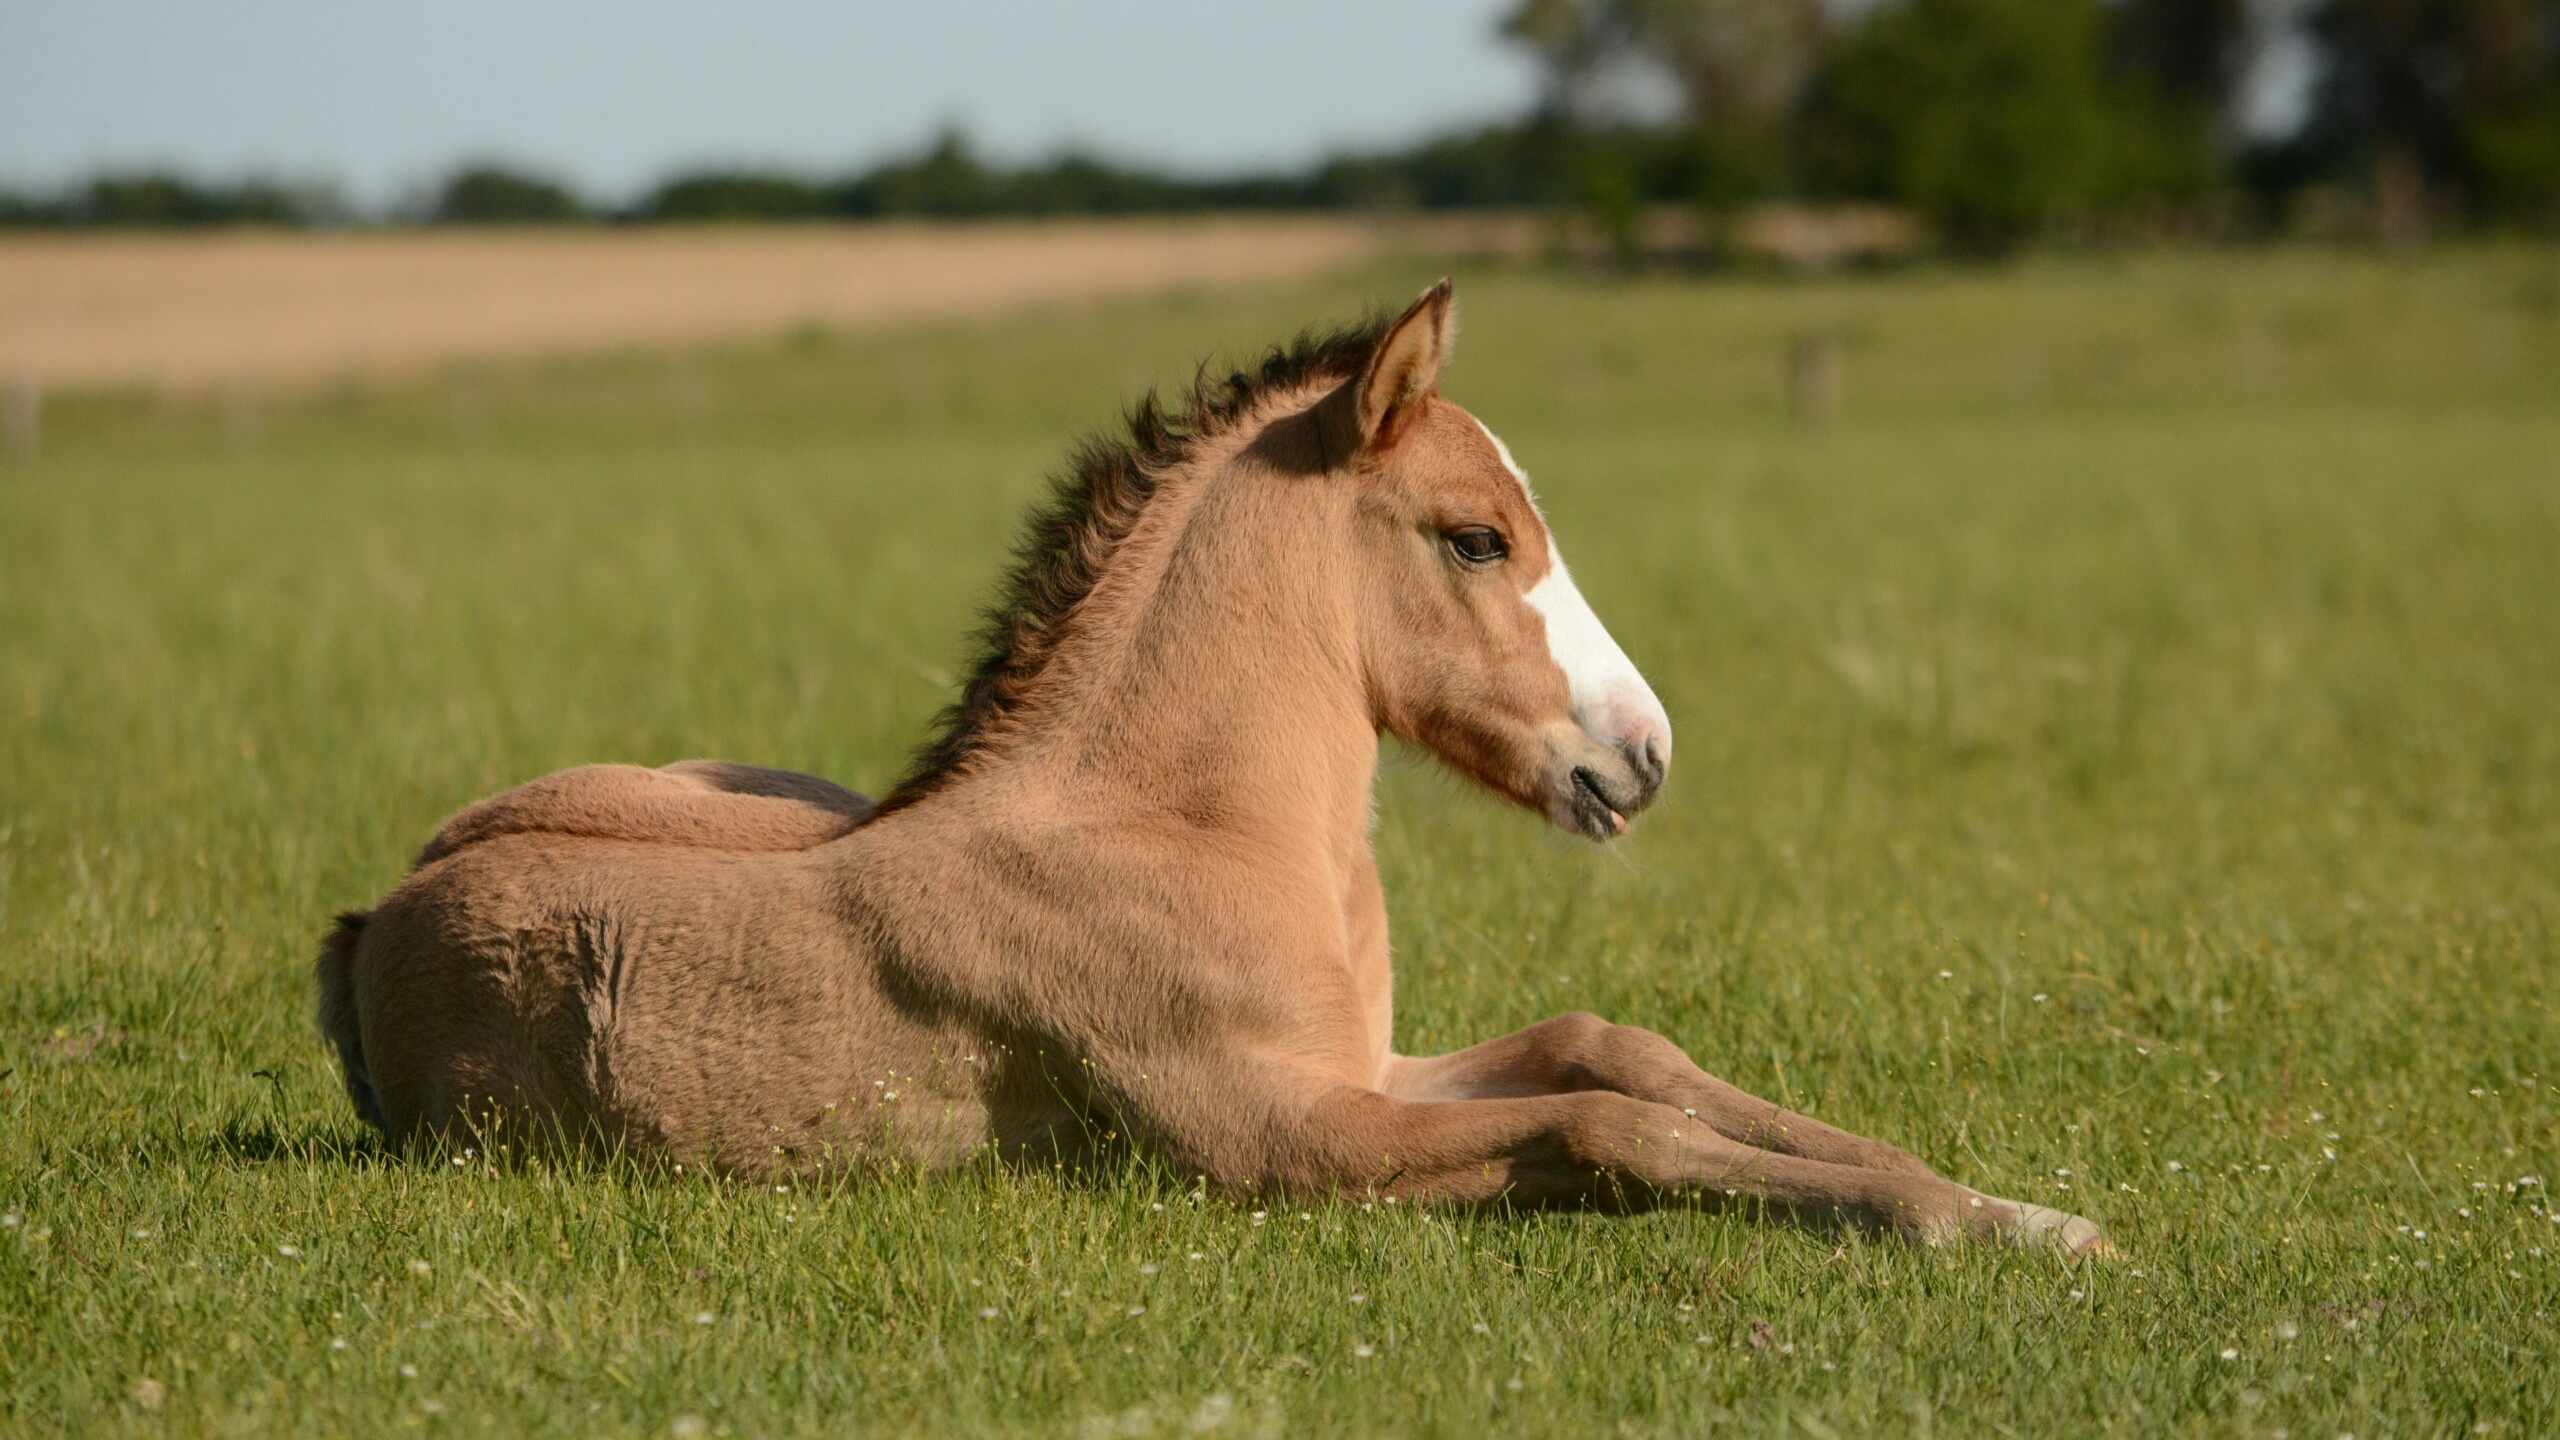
pixel 335 971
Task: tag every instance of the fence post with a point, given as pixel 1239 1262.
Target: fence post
pixel 21 415
pixel 1813 377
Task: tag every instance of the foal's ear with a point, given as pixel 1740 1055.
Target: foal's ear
pixel 1404 367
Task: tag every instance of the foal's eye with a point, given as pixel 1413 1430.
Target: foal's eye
pixel 1478 544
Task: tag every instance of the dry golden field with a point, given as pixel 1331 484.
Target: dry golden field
pixel 264 309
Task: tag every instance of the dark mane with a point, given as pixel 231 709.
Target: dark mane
pixel 1070 537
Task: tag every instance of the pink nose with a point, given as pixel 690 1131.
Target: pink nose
pixel 1647 743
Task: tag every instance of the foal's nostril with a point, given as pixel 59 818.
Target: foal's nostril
pixel 1644 757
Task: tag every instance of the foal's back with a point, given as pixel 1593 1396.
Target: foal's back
pixel 607 947
pixel 706 804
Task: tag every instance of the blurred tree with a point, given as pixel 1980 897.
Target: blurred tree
pixel 2181 66
pixel 158 199
pixel 23 210
pixel 1572 41
pixel 2191 51
pixel 1499 165
pixel 493 195
pixel 150 199
pixel 1735 71
pixel 2515 160
pixel 2452 99
pixel 947 180
pixel 735 195
pixel 1994 117
pixel 1079 184
pixel 1741 67
pixel 2177 69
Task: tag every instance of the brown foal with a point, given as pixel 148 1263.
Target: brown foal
pixel 1130 888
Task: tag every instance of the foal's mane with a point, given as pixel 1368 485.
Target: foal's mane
pixel 1068 541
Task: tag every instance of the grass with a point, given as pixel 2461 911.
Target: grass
pixel 2118 761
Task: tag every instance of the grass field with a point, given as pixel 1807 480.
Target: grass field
pixel 2120 760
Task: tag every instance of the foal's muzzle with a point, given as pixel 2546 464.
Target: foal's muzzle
pixel 1608 784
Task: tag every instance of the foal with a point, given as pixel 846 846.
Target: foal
pixel 1130 887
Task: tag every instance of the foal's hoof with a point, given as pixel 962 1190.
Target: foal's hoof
pixel 2040 1226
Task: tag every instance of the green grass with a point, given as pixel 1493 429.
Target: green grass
pixel 2126 744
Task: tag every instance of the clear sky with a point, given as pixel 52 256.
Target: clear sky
pixel 382 96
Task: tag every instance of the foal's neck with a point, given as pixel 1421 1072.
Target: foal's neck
pixel 1212 678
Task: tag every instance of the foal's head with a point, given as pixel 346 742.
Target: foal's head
pixel 1475 641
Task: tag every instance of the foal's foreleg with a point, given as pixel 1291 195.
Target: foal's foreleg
pixel 1579 1054
pixel 1579 1051
pixel 1589 1147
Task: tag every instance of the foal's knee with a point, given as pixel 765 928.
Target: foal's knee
pixel 1597 1055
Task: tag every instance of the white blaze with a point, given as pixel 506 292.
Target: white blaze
pixel 1610 696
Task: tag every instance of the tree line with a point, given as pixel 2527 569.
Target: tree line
pixel 946 179
pixel 2002 118
pixel 1997 120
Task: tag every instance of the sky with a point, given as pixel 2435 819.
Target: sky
pixel 382 98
